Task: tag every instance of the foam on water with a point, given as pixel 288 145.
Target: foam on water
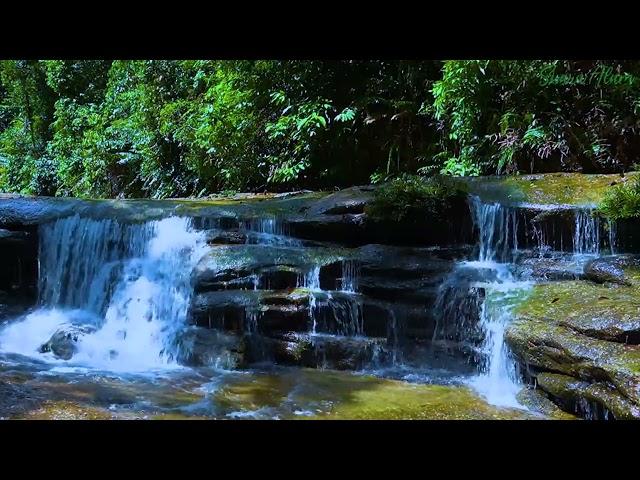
pixel 497 228
pixel 131 283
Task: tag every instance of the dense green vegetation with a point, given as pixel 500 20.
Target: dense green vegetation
pixel 410 198
pixel 182 128
pixel 622 201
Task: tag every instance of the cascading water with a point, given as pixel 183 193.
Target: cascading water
pixel 586 234
pixel 498 227
pixel 498 241
pixel 131 283
pixel 268 231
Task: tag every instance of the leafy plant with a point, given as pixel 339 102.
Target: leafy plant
pixel 622 201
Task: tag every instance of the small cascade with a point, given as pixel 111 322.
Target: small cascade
pixel 458 305
pixel 132 281
pixel 498 230
pixel 612 228
pixel 268 231
pixel 498 380
pixel 350 274
pixel 311 281
pixel 473 300
pixel 586 235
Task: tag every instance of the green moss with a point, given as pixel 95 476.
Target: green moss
pixel 549 346
pixel 600 311
pixel 573 189
pixel 388 400
pixel 570 391
pixel 340 395
pixel 536 401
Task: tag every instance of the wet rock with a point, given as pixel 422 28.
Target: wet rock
pixel 609 313
pixel 611 269
pixel 225 263
pixel 348 228
pixel 348 201
pixel 252 310
pixel 197 346
pixel 547 346
pixel 593 400
pixel 63 342
pixel 536 401
pixel 327 351
pixel 18 265
pixel 224 310
pixel 225 237
pixel 406 262
pixel 551 268
pixel 12 236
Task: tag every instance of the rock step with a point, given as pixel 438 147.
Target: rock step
pixel 273 313
pixel 205 347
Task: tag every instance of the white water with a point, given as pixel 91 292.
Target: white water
pixel 497 380
pixel 586 235
pixel 131 282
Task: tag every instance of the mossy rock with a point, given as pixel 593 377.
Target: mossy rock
pixel 548 346
pixel 559 189
pixel 536 401
pixel 580 395
pixel 607 312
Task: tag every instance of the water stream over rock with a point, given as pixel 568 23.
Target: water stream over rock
pixel 202 297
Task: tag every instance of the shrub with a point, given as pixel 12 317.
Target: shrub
pixel 622 201
pixel 412 198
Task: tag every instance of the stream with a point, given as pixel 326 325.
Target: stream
pixel 188 316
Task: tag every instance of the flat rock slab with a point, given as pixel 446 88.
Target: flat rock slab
pixel 609 313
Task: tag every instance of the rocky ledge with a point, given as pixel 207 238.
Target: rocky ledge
pixel 580 340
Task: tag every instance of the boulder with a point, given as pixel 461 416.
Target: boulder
pixel 547 346
pixel 63 342
pixel 611 269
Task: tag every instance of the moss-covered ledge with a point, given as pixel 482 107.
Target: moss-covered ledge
pixel 545 190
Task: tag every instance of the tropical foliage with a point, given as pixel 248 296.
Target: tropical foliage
pixel 163 128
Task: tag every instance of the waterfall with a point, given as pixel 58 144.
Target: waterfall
pixel 80 259
pixel 350 274
pixel 498 230
pixel 498 240
pixel 586 234
pixel 269 231
pixel 311 281
pixel 131 282
pixel 612 236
